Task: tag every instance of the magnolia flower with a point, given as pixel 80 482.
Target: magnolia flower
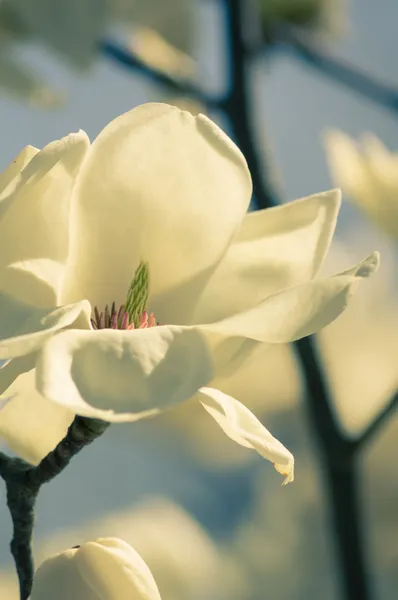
pixel 132 279
pixel 368 173
pixel 107 568
pixel 160 531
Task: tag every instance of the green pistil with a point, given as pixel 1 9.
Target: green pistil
pixel 137 296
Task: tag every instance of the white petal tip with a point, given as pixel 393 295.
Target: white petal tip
pixel 369 265
pixel 287 471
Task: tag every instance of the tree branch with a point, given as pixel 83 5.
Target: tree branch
pixel 286 38
pixel 336 452
pixel 129 60
pixel 23 483
pixel 374 427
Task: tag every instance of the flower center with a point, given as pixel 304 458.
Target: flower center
pixel 132 314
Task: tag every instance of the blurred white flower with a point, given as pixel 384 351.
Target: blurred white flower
pixel 106 568
pixel 162 188
pixel 185 562
pixel 360 350
pixel 323 16
pixel 368 173
pixel 74 29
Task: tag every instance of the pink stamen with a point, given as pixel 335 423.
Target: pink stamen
pixel 125 321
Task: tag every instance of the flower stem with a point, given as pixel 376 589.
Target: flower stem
pixel 23 483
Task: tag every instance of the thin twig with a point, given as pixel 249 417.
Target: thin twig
pixel 375 426
pixel 288 39
pixel 128 59
pixel 23 483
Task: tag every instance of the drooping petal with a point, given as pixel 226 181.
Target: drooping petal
pixel 30 424
pixel 34 223
pixel 160 186
pixel 24 328
pixel 275 249
pixel 123 375
pixel 239 423
pixel 298 311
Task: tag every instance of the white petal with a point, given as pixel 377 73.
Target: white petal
pixel 348 167
pixel 58 577
pixel 298 311
pixel 106 569
pixel 275 249
pixel 24 328
pixel 163 186
pixel 9 177
pixel 239 423
pixel 34 223
pixel 15 367
pixel 123 375
pixel 30 424
pixel 115 571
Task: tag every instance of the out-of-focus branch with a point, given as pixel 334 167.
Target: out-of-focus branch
pixel 374 427
pixel 336 452
pixel 129 60
pixel 286 38
pixel 23 483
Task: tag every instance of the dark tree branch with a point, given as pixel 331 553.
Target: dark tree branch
pixel 288 39
pixel 127 59
pixel 23 483
pixel 374 427
pixel 336 452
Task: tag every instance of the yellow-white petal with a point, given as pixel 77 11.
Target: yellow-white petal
pixel 162 186
pixel 105 569
pixel 24 328
pixel 15 367
pixel 123 375
pixel 115 571
pixel 368 173
pixel 30 424
pixel 298 311
pixel 348 167
pixel 239 424
pixel 35 219
pixel 9 177
pixel 275 249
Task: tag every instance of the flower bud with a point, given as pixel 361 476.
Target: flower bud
pixel 107 569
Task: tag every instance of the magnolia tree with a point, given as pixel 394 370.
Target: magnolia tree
pixel 133 280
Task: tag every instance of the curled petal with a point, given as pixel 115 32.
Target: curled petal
pixel 24 328
pixel 298 311
pixel 239 424
pixel 275 248
pixel 123 375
